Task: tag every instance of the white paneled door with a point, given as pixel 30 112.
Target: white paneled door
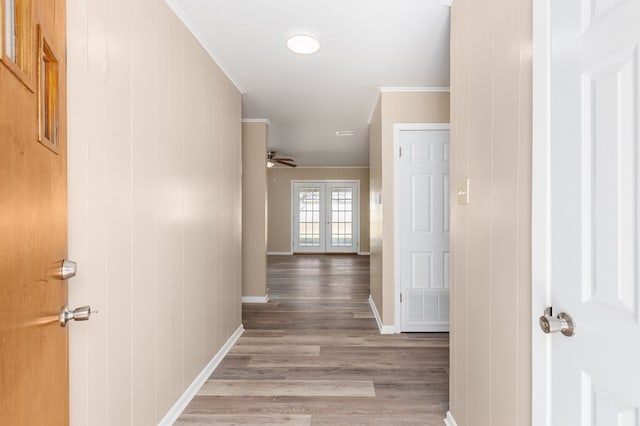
pixel 590 269
pixel 325 217
pixel 423 226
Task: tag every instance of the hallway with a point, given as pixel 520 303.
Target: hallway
pixel 313 355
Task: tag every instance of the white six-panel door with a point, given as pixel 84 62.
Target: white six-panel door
pixel 325 217
pixel 588 169
pixel 423 226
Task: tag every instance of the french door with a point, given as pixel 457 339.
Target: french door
pixel 325 217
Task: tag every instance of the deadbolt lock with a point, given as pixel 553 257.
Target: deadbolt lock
pixel 68 269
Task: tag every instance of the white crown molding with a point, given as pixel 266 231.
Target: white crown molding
pixel 182 15
pixel 384 329
pixel 255 299
pixel 256 120
pixel 413 89
pixel 184 400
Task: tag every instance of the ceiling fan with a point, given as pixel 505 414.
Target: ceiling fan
pixel 272 160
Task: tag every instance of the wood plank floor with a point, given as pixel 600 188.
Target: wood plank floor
pixel 313 356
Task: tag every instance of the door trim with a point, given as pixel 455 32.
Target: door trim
pixel 540 214
pixel 356 231
pixel 397 128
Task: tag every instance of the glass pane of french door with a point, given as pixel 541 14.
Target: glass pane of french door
pixel 341 217
pixel 308 208
pixel 309 217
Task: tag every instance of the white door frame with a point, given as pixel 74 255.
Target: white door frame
pixel 356 229
pixel 397 128
pixel 540 215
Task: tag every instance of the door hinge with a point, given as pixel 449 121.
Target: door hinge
pixel 400 151
pixel 400 297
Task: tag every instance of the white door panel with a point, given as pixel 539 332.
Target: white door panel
pixel 423 229
pixel 593 195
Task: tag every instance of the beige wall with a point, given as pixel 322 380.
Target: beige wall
pixel 254 209
pixel 403 107
pixel 491 237
pixel 154 209
pixel 279 188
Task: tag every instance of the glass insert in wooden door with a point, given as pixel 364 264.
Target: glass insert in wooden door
pixel 10 38
pixel 17 47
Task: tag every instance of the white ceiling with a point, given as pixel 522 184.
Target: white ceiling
pixel 364 45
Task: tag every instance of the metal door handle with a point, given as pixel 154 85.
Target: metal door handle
pixel 562 323
pixel 78 314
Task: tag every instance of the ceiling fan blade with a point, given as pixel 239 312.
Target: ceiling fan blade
pixel 281 159
pixel 286 163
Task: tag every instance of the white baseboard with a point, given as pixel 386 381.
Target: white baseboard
pixel 449 421
pixel 184 400
pixel 255 299
pixel 363 253
pixel 279 253
pixel 384 329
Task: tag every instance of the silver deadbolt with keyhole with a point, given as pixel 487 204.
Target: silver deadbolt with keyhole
pixel 68 269
pixel 562 323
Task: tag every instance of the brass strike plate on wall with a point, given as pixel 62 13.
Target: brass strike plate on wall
pixel 462 191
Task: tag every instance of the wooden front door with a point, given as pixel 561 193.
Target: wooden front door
pixel 34 378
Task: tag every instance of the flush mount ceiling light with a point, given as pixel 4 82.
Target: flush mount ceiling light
pixel 346 132
pixel 303 44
